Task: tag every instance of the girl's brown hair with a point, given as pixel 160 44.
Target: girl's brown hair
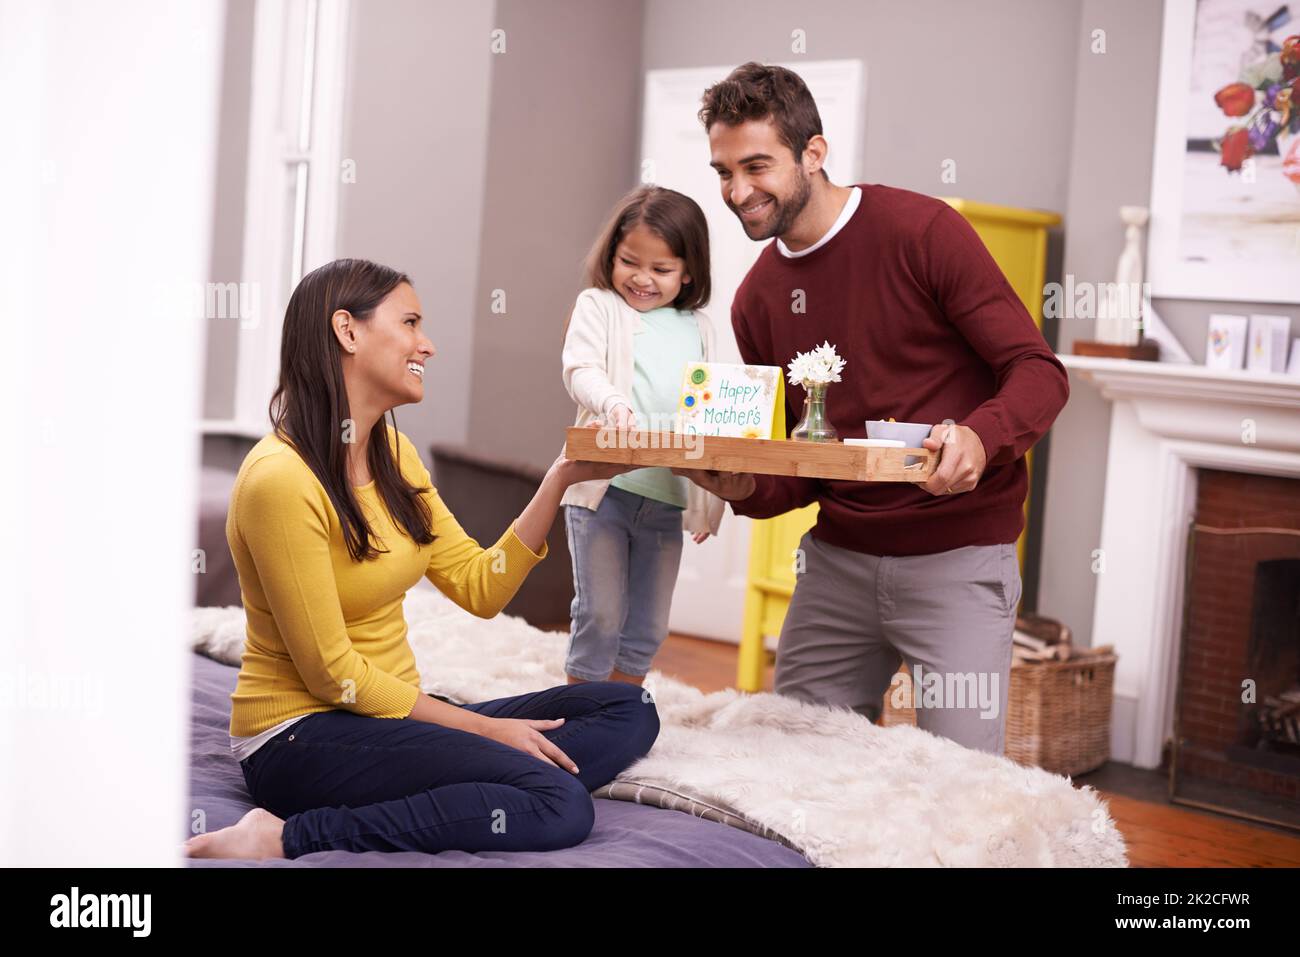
pixel 313 402
pixel 673 217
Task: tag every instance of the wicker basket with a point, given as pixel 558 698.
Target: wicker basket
pixel 1058 712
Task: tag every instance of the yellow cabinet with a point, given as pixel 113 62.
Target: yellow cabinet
pixel 1017 240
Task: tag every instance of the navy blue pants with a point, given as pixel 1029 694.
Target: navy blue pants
pixel 344 781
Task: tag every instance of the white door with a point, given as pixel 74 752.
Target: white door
pixel 709 600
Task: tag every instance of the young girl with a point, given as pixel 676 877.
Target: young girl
pixel 625 349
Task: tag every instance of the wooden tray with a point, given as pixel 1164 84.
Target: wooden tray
pixel 828 460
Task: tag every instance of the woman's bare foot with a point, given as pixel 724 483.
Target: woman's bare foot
pixel 255 836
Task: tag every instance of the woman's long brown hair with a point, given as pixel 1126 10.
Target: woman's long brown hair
pixel 309 408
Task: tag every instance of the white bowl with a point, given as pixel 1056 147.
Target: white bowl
pixel 912 433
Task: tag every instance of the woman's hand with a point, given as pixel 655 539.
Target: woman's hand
pixel 526 735
pixel 534 522
pixel 699 537
pixel 571 471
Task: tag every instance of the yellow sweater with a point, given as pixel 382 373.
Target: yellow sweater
pixel 326 632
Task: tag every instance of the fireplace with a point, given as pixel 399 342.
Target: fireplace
pixel 1179 434
pixel 1236 746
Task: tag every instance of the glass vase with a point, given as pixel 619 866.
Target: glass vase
pixel 814 426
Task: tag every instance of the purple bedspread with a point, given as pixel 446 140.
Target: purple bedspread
pixel 625 834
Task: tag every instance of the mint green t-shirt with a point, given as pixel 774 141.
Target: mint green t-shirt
pixel 669 338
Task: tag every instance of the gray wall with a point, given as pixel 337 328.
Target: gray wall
pixel 564 126
pixel 941 85
pixel 1112 150
pixel 565 121
pixel 475 172
pixel 1011 90
pixel 479 172
pixel 1114 111
pixel 987 84
pixel 417 126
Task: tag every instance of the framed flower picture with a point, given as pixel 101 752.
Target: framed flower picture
pixel 1225 187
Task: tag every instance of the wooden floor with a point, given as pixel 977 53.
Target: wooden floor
pixel 1158 833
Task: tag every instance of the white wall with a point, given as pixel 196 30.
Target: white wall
pixel 107 183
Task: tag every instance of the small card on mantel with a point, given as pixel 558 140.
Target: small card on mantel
pixel 739 401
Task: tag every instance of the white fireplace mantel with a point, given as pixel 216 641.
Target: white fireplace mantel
pixel 1167 421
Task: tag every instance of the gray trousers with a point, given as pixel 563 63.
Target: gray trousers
pixel 949 616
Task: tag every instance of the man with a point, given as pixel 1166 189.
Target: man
pixel 932 332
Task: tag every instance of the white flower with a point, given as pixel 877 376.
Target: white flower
pixel 819 365
pixel 832 362
pixel 798 369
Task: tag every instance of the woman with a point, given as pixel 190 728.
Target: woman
pixel 332 519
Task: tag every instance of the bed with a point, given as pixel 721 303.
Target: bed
pixel 626 834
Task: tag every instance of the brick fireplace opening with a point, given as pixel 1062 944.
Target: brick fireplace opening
pixel 1237 712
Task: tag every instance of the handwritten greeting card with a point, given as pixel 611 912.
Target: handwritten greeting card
pixel 740 401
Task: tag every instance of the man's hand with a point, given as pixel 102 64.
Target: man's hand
pixel 731 486
pixel 961 459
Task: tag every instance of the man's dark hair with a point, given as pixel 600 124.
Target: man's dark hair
pixel 755 91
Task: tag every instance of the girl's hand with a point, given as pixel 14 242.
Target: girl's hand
pixel 699 537
pixel 622 418
pixel 526 735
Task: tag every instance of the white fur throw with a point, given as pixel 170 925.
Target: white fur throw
pixel 842 790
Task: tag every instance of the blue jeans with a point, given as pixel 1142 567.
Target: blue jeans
pixel 344 781
pixel 626 554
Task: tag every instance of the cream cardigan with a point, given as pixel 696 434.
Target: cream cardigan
pixel 598 368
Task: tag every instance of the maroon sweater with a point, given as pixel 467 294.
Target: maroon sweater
pixel 929 329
